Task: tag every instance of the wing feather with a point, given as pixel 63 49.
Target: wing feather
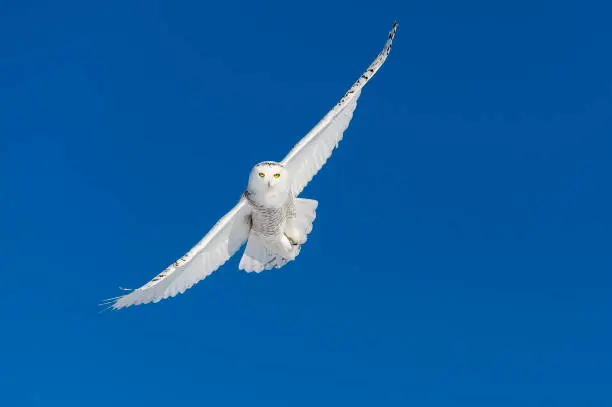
pixel 223 240
pixel 312 151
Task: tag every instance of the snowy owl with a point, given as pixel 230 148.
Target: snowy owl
pixel 269 217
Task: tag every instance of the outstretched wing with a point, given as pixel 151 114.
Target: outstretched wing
pixel 223 240
pixel 311 153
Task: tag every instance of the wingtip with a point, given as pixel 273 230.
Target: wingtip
pixel 393 30
pixel 106 308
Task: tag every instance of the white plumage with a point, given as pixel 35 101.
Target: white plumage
pixel 269 215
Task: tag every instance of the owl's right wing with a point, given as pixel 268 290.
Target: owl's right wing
pixel 223 240
pixel 312 151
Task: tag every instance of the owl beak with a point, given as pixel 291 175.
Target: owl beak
pixel 269 185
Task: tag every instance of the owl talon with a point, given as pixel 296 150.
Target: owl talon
pixel 293 242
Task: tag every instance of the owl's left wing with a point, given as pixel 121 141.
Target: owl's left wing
pixel 223 240
pixel 311 153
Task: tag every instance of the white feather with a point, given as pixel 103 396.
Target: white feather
pixel 312 151
pixel 223 240
pixel 305 214
pixel 257 257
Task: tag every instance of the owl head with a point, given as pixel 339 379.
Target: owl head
pixel 269 183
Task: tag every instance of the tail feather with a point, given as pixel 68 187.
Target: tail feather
pixel 257 257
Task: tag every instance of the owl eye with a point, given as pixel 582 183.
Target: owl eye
pixel 277 175
pixel 261 175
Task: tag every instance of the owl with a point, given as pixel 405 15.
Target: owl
pixel 270 217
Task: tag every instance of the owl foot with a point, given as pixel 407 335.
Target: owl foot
pixel 293 242
pixel 295 237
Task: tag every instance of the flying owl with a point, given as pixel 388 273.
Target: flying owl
pixel 269 217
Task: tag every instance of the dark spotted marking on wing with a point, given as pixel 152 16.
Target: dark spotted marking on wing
pixel 380 59
pixel 271 164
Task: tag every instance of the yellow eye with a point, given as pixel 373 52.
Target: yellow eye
pixel 261 175
pixel 277 175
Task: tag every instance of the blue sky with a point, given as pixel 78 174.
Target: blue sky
pixel 127 128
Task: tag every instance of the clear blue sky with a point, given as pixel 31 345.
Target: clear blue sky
pixel 127 128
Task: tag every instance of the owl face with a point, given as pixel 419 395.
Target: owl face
pixel 269 181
